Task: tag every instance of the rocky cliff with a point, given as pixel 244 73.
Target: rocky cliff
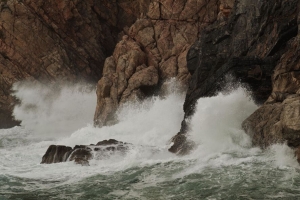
pixel 134 46
pixel 153 50
pixel 58 40
pixel 259 46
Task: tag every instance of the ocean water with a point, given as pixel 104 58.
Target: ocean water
pixel 223 165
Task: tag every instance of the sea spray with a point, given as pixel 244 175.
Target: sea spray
pixel 223 166
pixel 54 109
pixel 217 121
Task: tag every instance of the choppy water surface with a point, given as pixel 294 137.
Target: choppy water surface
pixel 223 166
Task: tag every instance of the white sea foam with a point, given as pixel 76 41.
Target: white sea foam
pixel 215 128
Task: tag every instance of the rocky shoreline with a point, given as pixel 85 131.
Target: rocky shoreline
pixel 132 48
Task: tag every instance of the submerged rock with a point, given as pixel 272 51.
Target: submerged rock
pixel 81 154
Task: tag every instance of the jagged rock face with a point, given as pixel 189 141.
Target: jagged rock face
pixel 60 39
pixel 248 45
pixel 154 49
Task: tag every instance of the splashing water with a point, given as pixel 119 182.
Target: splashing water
pixel 54 110
pixel 223 166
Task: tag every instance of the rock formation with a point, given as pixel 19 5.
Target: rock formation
pixel 256 41
pixel 258 37
pixel 278 120
pixel 81 154
pixel 56 154
pixel 58 40
pixel 154 49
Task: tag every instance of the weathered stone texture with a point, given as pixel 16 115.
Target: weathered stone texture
pixel 154 48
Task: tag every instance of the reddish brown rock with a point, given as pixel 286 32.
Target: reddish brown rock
pixel 153 50
pixel 58 40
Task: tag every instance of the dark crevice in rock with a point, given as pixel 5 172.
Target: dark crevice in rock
pixel 149 90
pixel 285 37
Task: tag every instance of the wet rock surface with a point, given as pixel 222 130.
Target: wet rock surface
pixel 56 154
pixel 81 154
pixel 259 46
pixel 181 145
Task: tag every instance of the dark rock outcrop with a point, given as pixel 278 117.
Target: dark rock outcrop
pixel 56 154
pixel 258 37
pixel 81 154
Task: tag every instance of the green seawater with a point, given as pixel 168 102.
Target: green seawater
pixel 252 180
pixel 223 164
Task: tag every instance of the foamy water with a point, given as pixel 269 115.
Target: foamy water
pixel 223 166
